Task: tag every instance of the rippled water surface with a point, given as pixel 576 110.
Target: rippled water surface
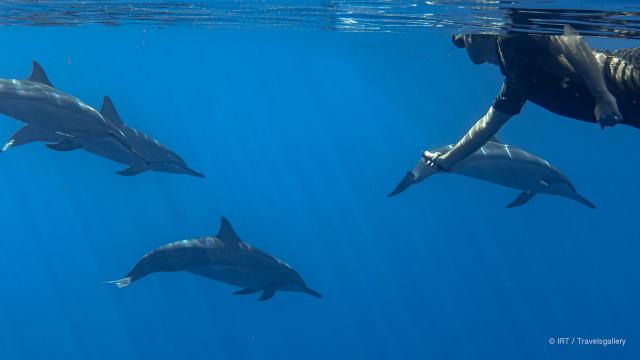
pixel 604 18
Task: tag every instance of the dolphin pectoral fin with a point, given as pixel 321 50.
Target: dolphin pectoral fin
pixel 246 291
pixel 65 145
pixel 268 293
pixel 408 180
pixel 134 170
pixel 522 199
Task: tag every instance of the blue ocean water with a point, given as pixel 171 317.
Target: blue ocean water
pixel 301 135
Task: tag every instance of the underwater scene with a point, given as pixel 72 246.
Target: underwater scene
pixel 320 179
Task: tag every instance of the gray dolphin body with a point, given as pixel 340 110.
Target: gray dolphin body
pixel 149 153
pixel 225 258
pixel 505 165
pixel 36 102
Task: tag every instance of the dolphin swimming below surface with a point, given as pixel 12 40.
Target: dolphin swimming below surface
pixel 225 258
pixel 36 102
pixel 157 157
pixel 504 165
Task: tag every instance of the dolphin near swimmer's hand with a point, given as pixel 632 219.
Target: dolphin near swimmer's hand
pixel 504 165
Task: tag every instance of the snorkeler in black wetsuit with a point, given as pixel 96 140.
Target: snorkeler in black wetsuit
pixel 560 73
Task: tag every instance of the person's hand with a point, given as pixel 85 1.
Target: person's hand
pixel 607 113
pixel 432 160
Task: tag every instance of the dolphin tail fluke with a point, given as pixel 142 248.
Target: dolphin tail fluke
pixel 8 145
pixel 522 199
pixel 120 283
pixel 582 200
pixel 408 180
pixel 28 134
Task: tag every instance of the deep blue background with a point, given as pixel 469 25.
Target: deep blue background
pixel 301 136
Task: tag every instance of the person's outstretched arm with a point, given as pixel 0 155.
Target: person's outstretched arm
pixel 580 56
pixel 474 139
pixel 508 103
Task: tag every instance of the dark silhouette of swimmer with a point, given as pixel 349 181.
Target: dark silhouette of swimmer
pixel 560 73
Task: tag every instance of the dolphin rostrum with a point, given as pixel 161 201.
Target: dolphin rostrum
pixel 36 102
pixel 225 258
pixel 156 156
pixel 504 165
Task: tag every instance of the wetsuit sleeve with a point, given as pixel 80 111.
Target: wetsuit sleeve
pixel 509 101
pixel 473 140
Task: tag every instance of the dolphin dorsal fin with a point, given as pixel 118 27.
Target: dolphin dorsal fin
pixel 495 139
pixel 226 232
pixel 38 75
pixel 109 111
pixel 568 30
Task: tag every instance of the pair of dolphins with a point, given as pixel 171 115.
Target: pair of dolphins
pixel 66 123
pixel 228 259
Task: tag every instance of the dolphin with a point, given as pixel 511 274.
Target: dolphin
pixel 155 156
pixel 36 102
pixel 225 258
pixel 504 165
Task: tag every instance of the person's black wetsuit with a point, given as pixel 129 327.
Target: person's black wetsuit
pixel 533 73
